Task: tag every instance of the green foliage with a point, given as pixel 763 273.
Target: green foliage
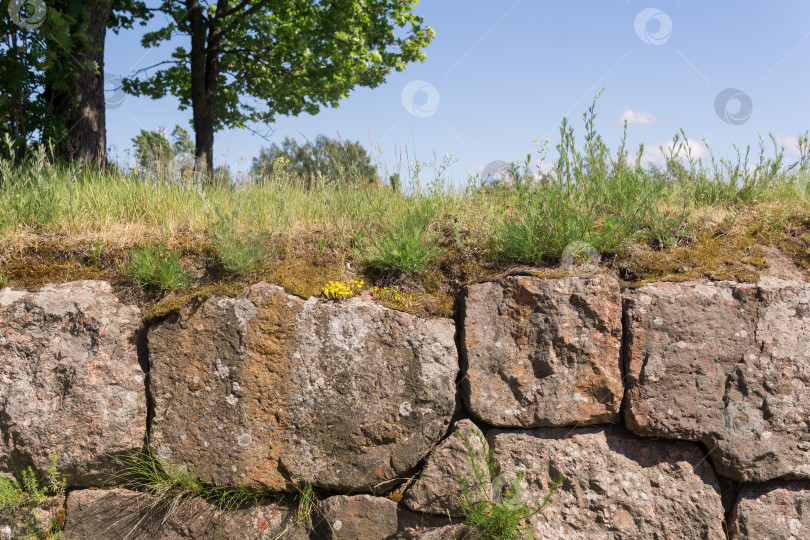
pixel 157 266
pixel 93 253
pixel 238 252
pixel 29 190
pixel 152 149
pixel 284 57
pixel 407 245
pixel 324 160
pixel 589 198
pixel 183 144
pixel 155 151
pixel 19 499
pixel 169 484
pixel 307 503
pixel 494 506
pixel 22 61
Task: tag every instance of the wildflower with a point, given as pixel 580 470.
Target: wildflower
pixel 337 290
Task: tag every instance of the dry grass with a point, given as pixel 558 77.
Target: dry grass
pixel 60 223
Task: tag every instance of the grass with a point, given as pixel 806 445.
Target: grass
pixel 157 266
pixel 239 252
pixel 170 485
pixel 62 221
pixel 408 245
pixel 494 505
pixel 20 499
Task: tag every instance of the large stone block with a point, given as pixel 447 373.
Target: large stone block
pixel 438 489
pixel 120 513
pixel 725 364
pixel 774 511
pixel 255 389
pixel 70 381
pixel 543 352
pixel 615 484
pixel 357 517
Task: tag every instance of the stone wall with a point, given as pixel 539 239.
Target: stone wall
pixel 673 410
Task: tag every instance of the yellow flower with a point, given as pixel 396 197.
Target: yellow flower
pixel 337 290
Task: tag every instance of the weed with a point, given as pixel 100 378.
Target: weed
pixel 494 505
pixel 307 503
pixel 407 246
pixel 3 279
pixel 170 485
pixel 605 203
pixel 157 266
pixel 20 499
pixel 93 253
pixel 238 252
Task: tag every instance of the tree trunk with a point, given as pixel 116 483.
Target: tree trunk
pixel 205 41
pixel 203 123
pixel 77 100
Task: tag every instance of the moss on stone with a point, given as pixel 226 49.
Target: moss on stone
pixel 729 250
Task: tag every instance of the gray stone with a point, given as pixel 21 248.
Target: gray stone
pixel 615 484
pixel 726 364
pixel 347 395
pixel 774 511
pixel 120 513
pixel 438 489
pixel 70 381
pixel 543 352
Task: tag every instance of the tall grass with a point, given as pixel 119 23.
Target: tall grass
pixel 592 195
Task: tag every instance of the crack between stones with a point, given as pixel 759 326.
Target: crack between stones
pixel 142 347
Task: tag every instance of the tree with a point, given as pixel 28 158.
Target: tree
pixel 331 158
pixel 24 60
pixel 152 149
pixel 155 152
pixel 287 56
pixel 52 60
pixel 74 88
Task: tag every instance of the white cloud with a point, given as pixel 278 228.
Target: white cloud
pixel 638 117
pixel 654 156
pixel 791 144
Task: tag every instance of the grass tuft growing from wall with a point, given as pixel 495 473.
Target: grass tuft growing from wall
pixel 157 266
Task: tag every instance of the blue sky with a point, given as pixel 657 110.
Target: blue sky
pixel 500 74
